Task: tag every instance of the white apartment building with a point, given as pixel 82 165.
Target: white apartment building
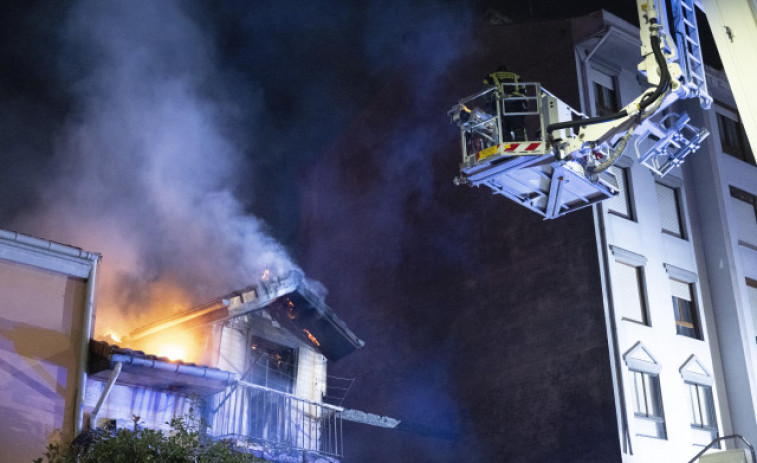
pixel 679 265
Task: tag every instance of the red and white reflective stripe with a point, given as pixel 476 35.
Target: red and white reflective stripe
pixel 528 147
pixel 512 148
pixel 523 147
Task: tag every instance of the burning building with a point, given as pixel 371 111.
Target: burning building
pixel 266 349
pixel 260 377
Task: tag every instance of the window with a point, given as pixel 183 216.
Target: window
pixel 745 210
pixel 703 421
pixel 650 419
pixel 684 309
pixel 631 297
pixel 620 205
pixel 644 391
pixel 668 202
pixel 733 140
pixel 751 289
pixel 271 365
pixel 606 98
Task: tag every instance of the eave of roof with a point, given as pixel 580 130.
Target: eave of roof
pixel 160 373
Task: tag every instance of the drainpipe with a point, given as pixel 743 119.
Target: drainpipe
pixel 105 394
pixel 86 335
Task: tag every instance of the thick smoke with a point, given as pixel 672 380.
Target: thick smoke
pixel 148 162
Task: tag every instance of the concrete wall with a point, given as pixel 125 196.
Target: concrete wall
pixel 155 409
pixel 41 319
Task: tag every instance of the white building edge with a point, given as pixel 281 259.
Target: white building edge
pixel 679 265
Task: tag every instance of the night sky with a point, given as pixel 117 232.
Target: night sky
pixel 197 143
pixel 299 72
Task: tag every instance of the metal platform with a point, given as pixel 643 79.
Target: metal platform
pixel 503 150
pixel 541 183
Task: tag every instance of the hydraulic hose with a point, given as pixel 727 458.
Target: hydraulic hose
pixel 651 98
pixel 646 101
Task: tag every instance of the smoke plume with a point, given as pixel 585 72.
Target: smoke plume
pixel 147 163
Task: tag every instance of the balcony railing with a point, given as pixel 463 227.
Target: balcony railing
pixel 278 420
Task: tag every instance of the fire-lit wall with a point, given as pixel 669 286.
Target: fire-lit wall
pixel 41 327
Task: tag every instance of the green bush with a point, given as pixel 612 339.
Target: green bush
pixel 182 444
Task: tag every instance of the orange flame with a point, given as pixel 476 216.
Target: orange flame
pixel 311 337
pixel 112 336
pixel 290 311
pixel 172 351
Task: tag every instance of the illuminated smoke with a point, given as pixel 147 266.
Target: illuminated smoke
pixel 147 164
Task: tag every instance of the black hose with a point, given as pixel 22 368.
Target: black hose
pixel 664 74
pixel 646 101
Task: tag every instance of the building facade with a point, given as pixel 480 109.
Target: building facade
pixel 46 316
pixel 262 382
pixel 678 261
pixel 631 316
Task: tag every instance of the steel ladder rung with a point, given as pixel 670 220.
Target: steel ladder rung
pixel 692 41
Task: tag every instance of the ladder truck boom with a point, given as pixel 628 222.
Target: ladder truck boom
pixel 566 165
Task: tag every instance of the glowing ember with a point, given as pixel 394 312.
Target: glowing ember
pixel 266 275
pixel 311 337
pixel 290 311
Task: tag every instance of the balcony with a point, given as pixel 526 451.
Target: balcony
pixel 271 423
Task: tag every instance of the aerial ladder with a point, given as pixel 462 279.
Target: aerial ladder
pixel 560 161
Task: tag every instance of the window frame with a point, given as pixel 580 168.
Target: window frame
pixel 652 412
pixel 746 197
pixel 697 417
pixel 605 79
pixel 642 365
pixel 259 364
pixel 740 148
pixel 751 285
pixel 638 262
pixel 690 279
pixel 678 201
pixel 627 189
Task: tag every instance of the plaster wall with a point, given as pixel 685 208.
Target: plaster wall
pixel 40 333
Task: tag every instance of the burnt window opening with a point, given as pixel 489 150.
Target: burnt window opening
pixel 271 365
pixel 733 140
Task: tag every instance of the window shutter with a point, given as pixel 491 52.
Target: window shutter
pixel 619 203
pixel 680 290
pixel 746 220
pixel 628 290
pixel 668 205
